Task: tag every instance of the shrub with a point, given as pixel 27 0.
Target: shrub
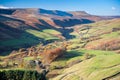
pixel 34 76
pixel 21 75
pixel 87 56
pixel 50 55
pixel 11 74
pixel 30 64
pixel 27 75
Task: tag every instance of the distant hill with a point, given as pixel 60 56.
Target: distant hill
pixel 38 19
pixel 79 13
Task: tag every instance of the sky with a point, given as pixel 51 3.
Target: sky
pixel 95 7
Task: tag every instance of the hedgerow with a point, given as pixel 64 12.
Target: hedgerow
pixel 21 75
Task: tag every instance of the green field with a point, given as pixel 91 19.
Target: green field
pixel 29 38
pixel 35 37
pixel 102 65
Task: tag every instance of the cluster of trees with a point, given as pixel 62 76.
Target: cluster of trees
pixel 51 55
pixel 45 53
pixel 21 75
pixel 115 29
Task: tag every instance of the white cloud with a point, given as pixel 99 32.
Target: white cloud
pixel 4 7
pixel 113 8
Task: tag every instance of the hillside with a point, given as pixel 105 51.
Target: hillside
pixel 20 25
pixel 60 45
pixel 99 58
pixel 45 19
pixel 96 68
pixel 100 33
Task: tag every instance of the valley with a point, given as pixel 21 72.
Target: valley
pixel 59 45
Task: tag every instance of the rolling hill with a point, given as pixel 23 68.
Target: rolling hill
pixel 103 44
pixel 20 25
pixel 89 44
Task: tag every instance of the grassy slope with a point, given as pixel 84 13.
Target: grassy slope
pixel 32 39
pixel 106 37
pixel 101 27
pixel 104 64
pixel 105 26
pixel 45 34
pixel 73 55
